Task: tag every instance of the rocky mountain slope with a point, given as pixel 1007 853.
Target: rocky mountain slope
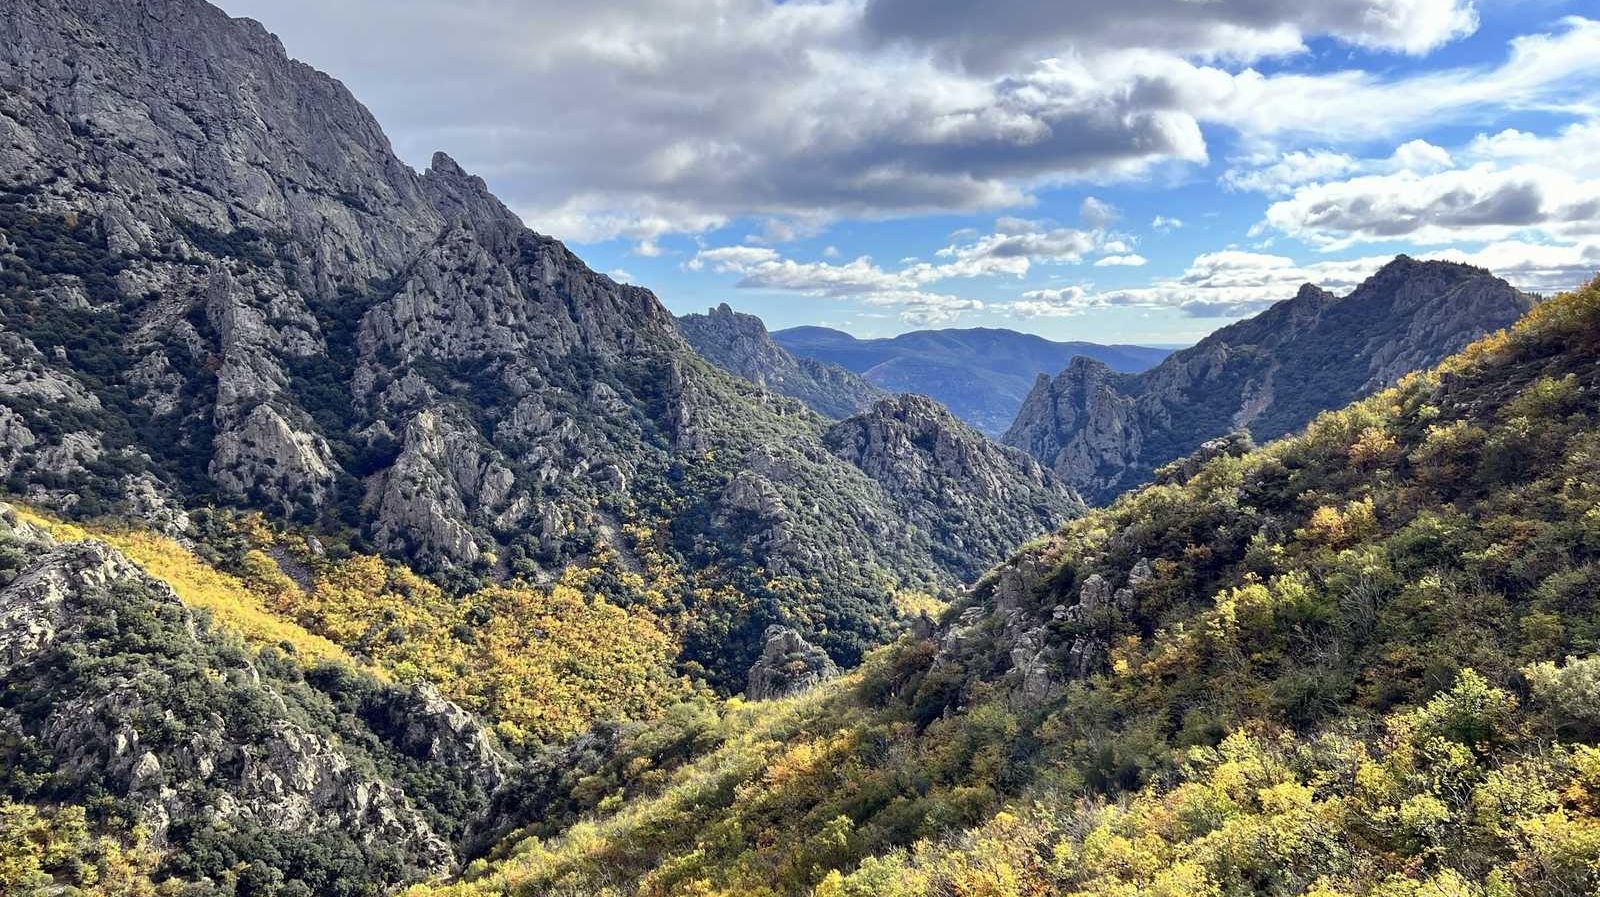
pixel 1106 432
pixel 1357 662
pixel 980 374
pixel 956 483
pixel 218 284
pixel 110 686
pixel 739 344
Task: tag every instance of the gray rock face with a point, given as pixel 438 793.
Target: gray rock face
pixel 739 344
pixel 1266 376
pixel 439 731
pixel 977 497
pixel 1081 425
pixel 1045 646
pixel 788 666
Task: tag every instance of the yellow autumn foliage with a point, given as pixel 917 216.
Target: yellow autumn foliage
pixel 542 662
pixel 234 604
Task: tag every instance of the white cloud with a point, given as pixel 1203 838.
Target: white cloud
pixel 1290 170
pixel 1165 223
pixel 1057 303
pixel 1011 250
pixel 619 275
pixel 1129 260
pixel 762 268
pixel 1550 71
pixel 1574 148
pixel 672 116
pixel 1228 283
pixel 1096 212
pixel 1482 202
pixel 1536 267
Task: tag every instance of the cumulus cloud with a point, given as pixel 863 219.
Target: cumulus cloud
pixel 1279 176
pixel 763 268
pixel 634 119
pixel 1536 267
pixel 1055 303
pixel 1128 260
pixel 997 33
pixel 1482 202
pixel 1011 250
pixel 1231 283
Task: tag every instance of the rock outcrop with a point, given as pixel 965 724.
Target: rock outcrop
pixel 789 665
pixel 970 492
pixel 1105 432
pixel 105 673
pixel 739 344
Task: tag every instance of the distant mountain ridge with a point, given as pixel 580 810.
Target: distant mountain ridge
pixel 981 374
pixel 1106 432
pixel 739 344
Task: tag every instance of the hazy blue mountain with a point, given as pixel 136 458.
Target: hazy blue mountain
pixel 981 374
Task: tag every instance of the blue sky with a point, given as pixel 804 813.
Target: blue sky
pixel 1142 172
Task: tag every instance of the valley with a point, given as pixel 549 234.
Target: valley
pixel 359 539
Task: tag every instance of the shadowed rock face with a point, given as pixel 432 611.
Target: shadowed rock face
pixel 1105 432
pixel 966 489
pixel 739 344
pixel 788 666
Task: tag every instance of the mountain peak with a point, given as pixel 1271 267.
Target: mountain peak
pixel 1404 266
pixel 739 344
pixel 1310 292
pixel 961 485
pixel 1268 375
pixel 461 196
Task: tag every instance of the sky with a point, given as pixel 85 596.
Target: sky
pixel 1144 171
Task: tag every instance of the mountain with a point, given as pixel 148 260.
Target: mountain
pixel 218 285
pixel 1359 661
pixel 739 344
pixel 361 541
pixel 956 483
pixel 1106 432
pixel 980 374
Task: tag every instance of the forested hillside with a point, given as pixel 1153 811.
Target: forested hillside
pixel 1357 661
